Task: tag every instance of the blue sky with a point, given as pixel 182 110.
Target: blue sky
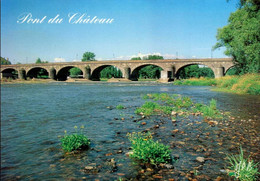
pixel 139 27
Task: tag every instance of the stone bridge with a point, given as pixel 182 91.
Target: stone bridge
pixel 129 68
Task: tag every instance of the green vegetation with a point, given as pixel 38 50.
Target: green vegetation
pixel 241 168
pixel 74 141
pixel 136 58
pixel 5 61
pixel 241 37
pixel 178 105
pixel 146 150
pixel 150 72
pixel 110 72
pixel 40 61
pixel 244 84
pixel 88 56
pixel 120 106
pixel 208 112
pixel 195 71
pixel 75 72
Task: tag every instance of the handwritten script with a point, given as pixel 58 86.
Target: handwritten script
pixel 72 18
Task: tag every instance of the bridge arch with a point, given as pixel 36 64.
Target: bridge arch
pixel 179 71
pixel 37 72
pixel 229 70
pixel 156 68
pixel 63 73
pixel 9 73
pixel 96 73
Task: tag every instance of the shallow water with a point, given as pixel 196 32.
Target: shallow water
pixel 34 116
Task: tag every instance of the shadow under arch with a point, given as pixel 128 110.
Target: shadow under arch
pixel 96 74
pixel 64 73
pixel 10 73
pixel 194 70
pixel 153 71
pixel 38 72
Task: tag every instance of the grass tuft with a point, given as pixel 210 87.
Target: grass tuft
pixel 146 150
pixel 75 141
pixel 241 168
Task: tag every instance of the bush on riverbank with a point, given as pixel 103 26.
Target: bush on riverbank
pixel 244 84
pixel 146 150
pixel 74 141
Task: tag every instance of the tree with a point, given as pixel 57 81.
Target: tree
pixel 40 61
pixel 241 37
pixel 150 71
pixel 88 56
pixel 195 71
pixel 5 61
pixel 136 58
pixel 153 57
pixel 75 72
pixel 110 72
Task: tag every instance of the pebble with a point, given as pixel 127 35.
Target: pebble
pixel 200 159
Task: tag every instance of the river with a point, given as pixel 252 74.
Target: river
pixel 35 116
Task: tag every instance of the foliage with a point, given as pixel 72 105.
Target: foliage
pixel 120 106
pixel 245 84
pixel 210 111
pixel 40 61
pixel 241 37
pixel 88 56
pixel 5 61
pixel 153 57
pixel 147 150
pixel 110 72
pixel 195 71
pixel 242 168
pixel 75 72
pixel 148 108
pixel 136 58
pixel 74 141
pixel 178 104
pixel 150 71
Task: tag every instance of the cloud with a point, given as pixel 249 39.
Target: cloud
pixel 59 60
pixel 76 60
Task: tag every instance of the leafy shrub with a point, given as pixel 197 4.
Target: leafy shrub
pixel 241 168
pixel 74 141
pixel 146 150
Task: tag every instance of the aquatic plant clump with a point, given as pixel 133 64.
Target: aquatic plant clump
pixel 178 104
pixel 241 168
pixel 146 150
pixel 75 141
pixel 120 107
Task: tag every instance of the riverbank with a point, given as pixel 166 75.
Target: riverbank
pixel 244 84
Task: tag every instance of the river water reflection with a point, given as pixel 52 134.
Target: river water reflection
pixel 34 116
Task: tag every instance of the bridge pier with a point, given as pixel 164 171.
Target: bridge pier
pixel 126 73
pixel 52 74
pixel 86 73
pixel 167 74
pixel 22 74
pixel 219 72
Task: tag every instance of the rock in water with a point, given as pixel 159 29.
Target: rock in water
pixel 200 159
